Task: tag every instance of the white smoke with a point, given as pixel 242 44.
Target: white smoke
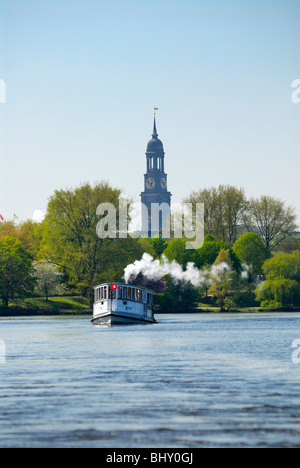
pixel 218 271
pixel 156 269
pixel 245 274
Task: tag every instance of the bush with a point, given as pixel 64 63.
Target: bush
pixel 245 299
pixel 178 297
pixel 271 304
pixel 282 291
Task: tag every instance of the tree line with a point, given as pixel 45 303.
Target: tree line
pixel 228 214
pixel 64 255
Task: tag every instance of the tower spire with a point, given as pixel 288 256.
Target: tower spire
pixel 155 134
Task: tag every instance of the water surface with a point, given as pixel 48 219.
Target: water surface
pixel 191 380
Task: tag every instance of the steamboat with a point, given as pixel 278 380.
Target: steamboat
pixel 118 303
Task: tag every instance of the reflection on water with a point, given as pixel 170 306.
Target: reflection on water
pixel 195 380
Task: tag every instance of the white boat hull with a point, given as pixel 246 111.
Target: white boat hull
pixel 119 318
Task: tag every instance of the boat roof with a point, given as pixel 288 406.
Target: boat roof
pixel 124 285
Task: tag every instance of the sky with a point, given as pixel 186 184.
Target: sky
pixel 82 78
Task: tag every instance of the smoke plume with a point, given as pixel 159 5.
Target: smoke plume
pixel 156 269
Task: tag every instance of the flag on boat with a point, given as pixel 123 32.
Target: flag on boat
pixel 113 286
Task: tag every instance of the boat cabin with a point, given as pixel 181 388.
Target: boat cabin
pixel 123 293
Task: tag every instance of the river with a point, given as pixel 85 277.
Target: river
pixel 190 380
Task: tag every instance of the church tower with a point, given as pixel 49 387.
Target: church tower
pixel 155 197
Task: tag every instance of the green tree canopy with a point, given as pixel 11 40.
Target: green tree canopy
pixel 209 251
pixel 15 270
pixel 27 232
pixel 278 292
pixel 283 265
pixel 282 285
pixel 70 238
pixel 252 252
pixel 176 250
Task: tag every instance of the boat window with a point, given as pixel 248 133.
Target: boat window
pixel 129 294
pixel 125 293
pixel 133 294
pixel 113 293
pixel 120 288
pixel 105 292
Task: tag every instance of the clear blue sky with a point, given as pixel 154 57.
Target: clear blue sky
pixel 83 76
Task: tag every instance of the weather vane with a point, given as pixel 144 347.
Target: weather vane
pixel 155 109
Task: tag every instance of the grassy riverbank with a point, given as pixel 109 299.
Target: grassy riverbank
pixel 54 306
pixel 79 306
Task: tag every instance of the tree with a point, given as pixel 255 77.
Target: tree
pixel 176 251
pixel 284 266
pixel 48 279
pixel 290 244
pixel 278 292
pixel 252 253
pixel 8 229
pixel 282 285
pixel 156 246
pixel 27 232
pixel 223 210
pixel 207 254
pixel 70 238
pixel 15 270
pixel 223 279
pixel 271 219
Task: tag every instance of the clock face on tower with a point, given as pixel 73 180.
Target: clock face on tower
pixel 150 183
pixel 163 183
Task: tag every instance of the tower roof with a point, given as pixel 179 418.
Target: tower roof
pixel 155 145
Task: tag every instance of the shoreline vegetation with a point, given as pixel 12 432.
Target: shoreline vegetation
pixel 249 259
pixel 77 305
pixel 64 305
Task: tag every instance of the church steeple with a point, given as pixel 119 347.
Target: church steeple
pixel 155 183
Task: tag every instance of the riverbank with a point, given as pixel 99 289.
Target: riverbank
pixel 74 305
pixel 216 310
